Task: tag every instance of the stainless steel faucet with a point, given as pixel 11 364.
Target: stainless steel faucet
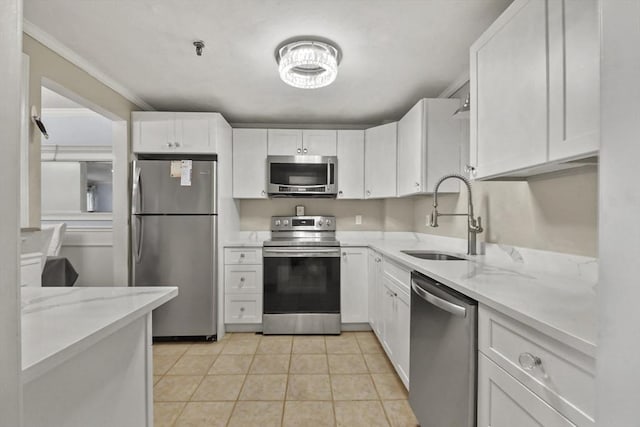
pixel 474 225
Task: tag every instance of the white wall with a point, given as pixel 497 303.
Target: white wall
pixel 10 339
pixel 618 363
pixel 90 251
pixel 64 187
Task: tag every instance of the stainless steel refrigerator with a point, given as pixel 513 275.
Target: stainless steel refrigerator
pixel 173 233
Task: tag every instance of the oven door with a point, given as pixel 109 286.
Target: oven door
pixel 301 280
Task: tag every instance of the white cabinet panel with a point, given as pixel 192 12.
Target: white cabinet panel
pixel 240 308
pixel 242 256
pixel 192 132
pixel 319 142
pixel 354 286
pixel 380 161
pixel 574 78
pixel 402 334
pixel 504 402
pixel 153 132
pixel 243 279
pixel 375 292
pixel 249 163
pixel 350 151
pixel 284 142
pixel 170 132
pixel 509 92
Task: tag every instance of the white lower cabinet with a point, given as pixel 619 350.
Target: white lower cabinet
pixel 390 310
pixel 527 378
pixel 354 286
pixel 505 402
pixel 242 286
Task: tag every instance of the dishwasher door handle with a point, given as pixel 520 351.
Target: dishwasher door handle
pixel 445 305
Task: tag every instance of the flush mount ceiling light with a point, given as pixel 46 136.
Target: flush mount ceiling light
pixel 308 64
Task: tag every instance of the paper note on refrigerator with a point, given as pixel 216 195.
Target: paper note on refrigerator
pixel 185 173
pixel 176 169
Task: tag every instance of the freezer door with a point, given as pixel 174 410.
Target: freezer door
pixel 178 251
pixel 156 191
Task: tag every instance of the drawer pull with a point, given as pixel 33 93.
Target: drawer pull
pixel 529 362
pixel 242 279
pixel 241 255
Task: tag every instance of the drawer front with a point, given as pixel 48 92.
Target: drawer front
pixel 243 279
pixel 242 256
pixel 564 377
pixel 243 308
pixel 400 274
pixel 505 402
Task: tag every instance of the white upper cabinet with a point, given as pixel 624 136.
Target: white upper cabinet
pixel 350 151
pixel 429 142
pixel 295 142
pixel 319 142
pixel 285 142
pixel 380 161
pixel 574 79
pixel 170 132
pixel 249 163
pixel 534 88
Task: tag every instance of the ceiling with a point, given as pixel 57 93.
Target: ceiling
pixel 394 52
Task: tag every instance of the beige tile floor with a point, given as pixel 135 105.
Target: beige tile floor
pixel 253 380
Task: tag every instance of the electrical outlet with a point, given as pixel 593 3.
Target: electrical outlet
pixel 358 219
pixel 427 220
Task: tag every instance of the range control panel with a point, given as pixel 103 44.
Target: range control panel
pixel 303 223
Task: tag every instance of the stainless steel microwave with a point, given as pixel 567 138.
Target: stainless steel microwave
pixel 302 176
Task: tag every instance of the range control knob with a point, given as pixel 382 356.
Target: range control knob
pixel 277 223
pixel 319 222
pixel 286 222
pixel 328 223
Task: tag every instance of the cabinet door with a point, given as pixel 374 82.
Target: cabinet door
pixel 153 132
pixel 319 142
pixel 380 154
pixel 250 163
pixel 354 286
pixel 350 151
pixel 505 402
pixel 574 78
pixel 192 133
pixel 402 332
pixel 375 292
pixel 387 306
pixel 509 91
pixel 284 142
pixel 412 156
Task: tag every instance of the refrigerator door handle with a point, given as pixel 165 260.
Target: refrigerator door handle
pixel 137 189
pixel 138 235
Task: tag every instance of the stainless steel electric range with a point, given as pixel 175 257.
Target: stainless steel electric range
pixel 302 276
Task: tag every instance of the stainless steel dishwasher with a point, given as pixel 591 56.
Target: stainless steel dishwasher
pixel 443 354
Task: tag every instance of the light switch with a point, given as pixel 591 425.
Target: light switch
pixel 358 219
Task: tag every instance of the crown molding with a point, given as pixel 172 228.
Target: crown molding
pixel 455 85
pixel 67 53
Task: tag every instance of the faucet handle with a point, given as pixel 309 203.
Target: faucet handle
pixel 477 225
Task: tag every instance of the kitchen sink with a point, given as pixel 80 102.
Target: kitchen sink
pixel 434 256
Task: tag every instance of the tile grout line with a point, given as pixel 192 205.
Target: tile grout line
pixel 246 375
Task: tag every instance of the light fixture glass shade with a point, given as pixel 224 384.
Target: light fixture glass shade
pixel 308 64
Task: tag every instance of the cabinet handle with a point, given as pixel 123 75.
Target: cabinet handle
pixel 340 193
pixel 262 193
pixel 529 362
pixel 417 184
pixel 299 151
pixel 368 192
pixel 470 169
pixel 177 144
pixel 241 309
pixel 344 254
pixel 169 144
pixel 378 260
pixel 241 255
pixel 242 279
pixel 305 151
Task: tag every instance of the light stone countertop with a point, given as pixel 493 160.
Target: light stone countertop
pixel 58 323
pixel 554 294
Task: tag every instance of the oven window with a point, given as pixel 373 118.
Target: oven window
pixel 298 174
pixel 301 285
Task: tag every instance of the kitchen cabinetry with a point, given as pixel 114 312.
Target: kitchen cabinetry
pixel 380 156
pixel 242 286
pixel 171 132
pixel 311 142
pixel 525 376
pixel 534 89
pixel 374 266
pixel 429 143
pixel 250 163
pixel 354 287
pixel 350 151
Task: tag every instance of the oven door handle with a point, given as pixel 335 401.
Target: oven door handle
pixel 297 253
